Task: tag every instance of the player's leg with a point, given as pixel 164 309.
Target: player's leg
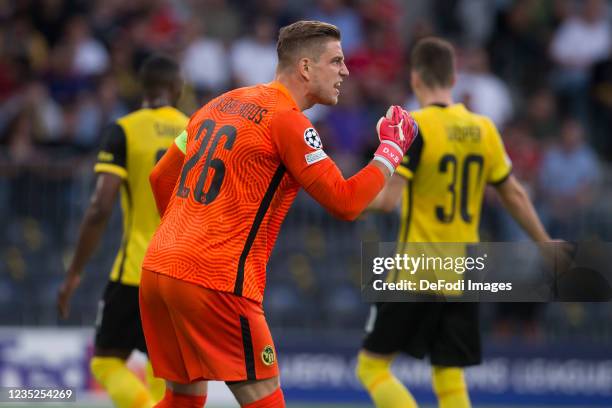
pixel 156 385
pixel 232 344
pixel 450 387
pixel 117 331
pixel 256 360
pixel 258 393
pixel 179 395
pixel 123 387
pixel 384 339
pixel 456 346
pixel 164 347
pixel 386 391
pixel 197 333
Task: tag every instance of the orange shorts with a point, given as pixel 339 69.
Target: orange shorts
pixel 194 333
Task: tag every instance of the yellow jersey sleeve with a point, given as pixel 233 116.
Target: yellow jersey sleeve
pixel 411 159
pixel 112 157
pixel 501 166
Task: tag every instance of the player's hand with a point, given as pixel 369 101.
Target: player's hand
pixel 65 293
pixel 396 132
pixel 397 127
pixel 557 254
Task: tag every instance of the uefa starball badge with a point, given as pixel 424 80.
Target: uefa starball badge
pixel 312 139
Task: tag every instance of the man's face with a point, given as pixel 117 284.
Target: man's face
pixel 326 74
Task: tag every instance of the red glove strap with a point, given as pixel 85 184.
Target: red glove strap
pixel 389 154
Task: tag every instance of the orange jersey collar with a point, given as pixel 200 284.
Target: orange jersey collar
pixel 284 90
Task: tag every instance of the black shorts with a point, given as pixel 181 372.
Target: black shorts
pixel 118 324
pixel 447 333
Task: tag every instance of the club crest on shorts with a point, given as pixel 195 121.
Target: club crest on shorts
pixel 267 356
pixel 312 139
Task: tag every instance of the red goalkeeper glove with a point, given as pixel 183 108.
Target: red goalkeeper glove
pixel 396 132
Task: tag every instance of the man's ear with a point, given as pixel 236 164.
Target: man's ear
pixel 415 80
pixel 304 67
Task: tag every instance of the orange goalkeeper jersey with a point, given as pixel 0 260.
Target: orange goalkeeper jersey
pixel 248 152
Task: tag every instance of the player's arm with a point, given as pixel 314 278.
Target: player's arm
pixel 111 171
pixel 512 194
pixel 517 203
pixel 320 176
pixel 347 199
pixel 389 197
pixel 343 198
pixel 166 172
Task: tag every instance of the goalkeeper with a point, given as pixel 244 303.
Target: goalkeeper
pixel 224 188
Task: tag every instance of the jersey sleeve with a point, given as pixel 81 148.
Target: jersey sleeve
pixel 501 166
pixel 299 146
pixel 301 151
pixel 411 159
pixel 112 157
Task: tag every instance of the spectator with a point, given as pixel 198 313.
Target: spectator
pixel 568 180
pixel 22 41
pixel 377 64
pixel 481 90
pixel 280 12
pixel 219 18
pixel 475 31
pixel 346 19
pixel 203 51
pixel 601 107
pixel 348 128
pixel 456 19
pixel 524 151
pixel 89 56
pixel 541 114
pixel 519 37
pixel 35 115
pixel 581 41
pixel 49 18
pixel 13 74
pixel 63 81
pixel 254 57
pixel 388 13
pixel 123 70
pixel 110 104
pixel 164 25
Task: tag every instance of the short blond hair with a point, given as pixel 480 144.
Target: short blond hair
pixel 304 37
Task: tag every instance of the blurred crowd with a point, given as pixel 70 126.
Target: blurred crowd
pixel 541 69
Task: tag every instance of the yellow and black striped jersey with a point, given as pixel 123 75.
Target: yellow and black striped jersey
pixel 130 148
pixel 446 170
